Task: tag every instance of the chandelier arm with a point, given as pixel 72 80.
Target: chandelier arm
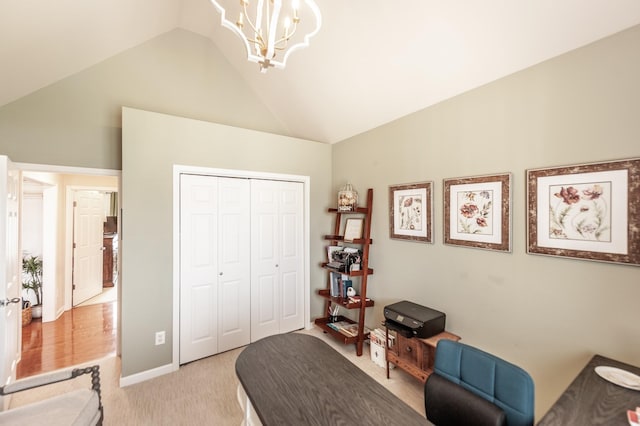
pixel 258 34
pixel 262 46
pixel 268 15
pixel 272 28
pixel 251 40
pixel 285 39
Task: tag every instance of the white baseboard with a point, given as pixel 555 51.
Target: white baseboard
pixel 146 375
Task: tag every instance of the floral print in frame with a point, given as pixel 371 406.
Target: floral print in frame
pixel 585 211
pixel 580 212
pixel 477 212
pixel 411 212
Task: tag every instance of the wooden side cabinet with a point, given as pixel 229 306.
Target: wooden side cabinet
pixel 107 261
pixel 415 356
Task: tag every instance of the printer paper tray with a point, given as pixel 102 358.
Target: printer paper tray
pixel 405 331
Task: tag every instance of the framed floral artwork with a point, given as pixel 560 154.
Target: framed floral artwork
pixel 587 211
pixel 477 212
pixel 411 212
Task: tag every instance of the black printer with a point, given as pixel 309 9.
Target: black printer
pixel 411 319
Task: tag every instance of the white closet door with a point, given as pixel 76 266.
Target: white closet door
pixel 215 265
pixel 264 259
pixel 234 274
pixel 291 257
pixel 198 267
pixel 276 258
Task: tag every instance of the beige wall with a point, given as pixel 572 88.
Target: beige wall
pixel 77 121
pixel 547 314
pixel 147 202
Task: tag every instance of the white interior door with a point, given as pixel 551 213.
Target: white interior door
pixel 88 245
pixel 277 261
pixel 214 265
pixel 10 273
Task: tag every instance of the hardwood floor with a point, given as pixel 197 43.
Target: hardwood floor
pixel 80 335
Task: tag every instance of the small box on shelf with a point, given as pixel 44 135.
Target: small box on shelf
pixel 357 300
pixel 342 325
pixel 346 302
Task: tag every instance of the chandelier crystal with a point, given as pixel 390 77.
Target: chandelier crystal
pixel 268 27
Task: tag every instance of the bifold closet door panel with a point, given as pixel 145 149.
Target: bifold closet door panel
pixel 291 255
pixel 234 287
pixel 214 265
pixel 198 267
pixel 277 265
pixel 264 259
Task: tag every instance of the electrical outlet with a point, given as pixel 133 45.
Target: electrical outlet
pixel 159 337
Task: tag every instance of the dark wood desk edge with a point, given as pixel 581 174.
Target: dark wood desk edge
pixel 380 403
pixel 565 406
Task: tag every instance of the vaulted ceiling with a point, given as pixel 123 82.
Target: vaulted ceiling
pixel 373 61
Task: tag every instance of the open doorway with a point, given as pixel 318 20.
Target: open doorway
pixel 94 231
pixel 63 216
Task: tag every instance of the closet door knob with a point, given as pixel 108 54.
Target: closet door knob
pixel 220 274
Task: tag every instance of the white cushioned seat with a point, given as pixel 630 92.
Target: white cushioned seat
pixel 80 407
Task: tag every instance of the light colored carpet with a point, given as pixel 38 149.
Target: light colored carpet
pixel 202 392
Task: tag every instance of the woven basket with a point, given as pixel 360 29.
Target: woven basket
pixel 26 316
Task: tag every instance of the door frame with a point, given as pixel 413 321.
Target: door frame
pixel 10 272
pixel 70 226
pixel 49 203
pixel 247 174
pixel 68 254
pixel 49 253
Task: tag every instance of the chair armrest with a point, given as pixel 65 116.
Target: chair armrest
pixel 447 403
pixel 50 378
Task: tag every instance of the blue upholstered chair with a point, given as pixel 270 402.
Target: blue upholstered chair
pixel 466 378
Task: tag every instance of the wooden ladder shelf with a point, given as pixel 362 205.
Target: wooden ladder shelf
pixel 337 238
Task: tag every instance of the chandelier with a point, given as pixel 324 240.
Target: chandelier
pixel 267 27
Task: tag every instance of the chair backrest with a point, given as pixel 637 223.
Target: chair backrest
pixel 496 380
pixel 449 404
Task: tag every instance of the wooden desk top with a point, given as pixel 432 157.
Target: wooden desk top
pixel 433 340
pixel 297 379
pixel 591 400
